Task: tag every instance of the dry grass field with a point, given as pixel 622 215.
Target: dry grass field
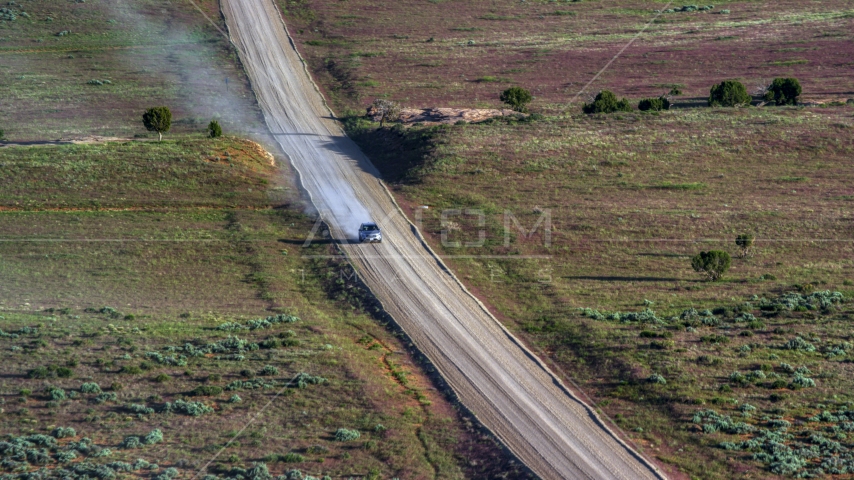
pixel 150 286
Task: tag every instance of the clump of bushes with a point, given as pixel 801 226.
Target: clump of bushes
pixel 175 361
pixel 729 93
pixel 90 387
pixel 799 344
pixel 606 102
pixel 800 381
pixel 654 104
pixel 106 397
pixel 50 371
pixel 656 379
pixel 206 391
pixel 139 409
pixel 783 91
pixel 130 370
pixel 260 323
pixel 251 384
pixel 690 8
pixel 345 435
pixel 194 409
pixel 63 432
pixel 302 380
pixel 292 457
pixel 268 371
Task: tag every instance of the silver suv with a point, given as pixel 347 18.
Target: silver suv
pixel 370 232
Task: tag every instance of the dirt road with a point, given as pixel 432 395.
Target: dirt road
pixel 509 390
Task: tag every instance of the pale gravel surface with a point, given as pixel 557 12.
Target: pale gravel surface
pixel 510 391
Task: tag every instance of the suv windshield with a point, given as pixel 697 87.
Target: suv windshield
pixel 369 228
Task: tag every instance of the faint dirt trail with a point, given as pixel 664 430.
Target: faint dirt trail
pixel 510 391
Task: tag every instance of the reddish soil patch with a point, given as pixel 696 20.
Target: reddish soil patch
pixel 463 53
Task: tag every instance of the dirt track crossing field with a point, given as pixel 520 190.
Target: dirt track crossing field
pixel 511 392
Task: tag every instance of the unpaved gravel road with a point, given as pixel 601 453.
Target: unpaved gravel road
pixel 503 384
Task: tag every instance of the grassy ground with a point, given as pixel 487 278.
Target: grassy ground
pixel 461 53
pixel 630 199
pixel 113 295
pixel 55 62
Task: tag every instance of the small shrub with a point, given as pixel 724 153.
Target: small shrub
pixel 778 384
pixel 745 243
pixel 302 380
pixel 90 387
pixel 154 436
pixel 130 370
pixel 194 409
pixel 55 393
pixel 799 344
pixel 235 399
pixel 516 98
pixel 292 457
pixel 656 379
pixel 786 368
pixel 63 432
pixel 801 382
pixel 714 339
pixel 713 263
pixel 606 102
pixel 162 378
pixel 268 371
pixel 729 93
pixel 386 109
pixel 214 129
pixel 39 373
pixel 709 360
pixel 206 391
pixel 106 397
pixel 139 409
pixel 783 91
pixel 654 104
pixel 131 442
pixel 345 435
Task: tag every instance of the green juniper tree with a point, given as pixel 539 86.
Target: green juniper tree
pixel 729 93
pixel 783 91
pixel 516 98
pixel 157 119
pixel 214 129
pixel 713 263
